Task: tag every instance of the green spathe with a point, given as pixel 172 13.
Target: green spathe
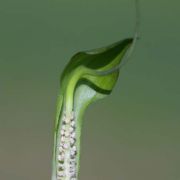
pixel 86 78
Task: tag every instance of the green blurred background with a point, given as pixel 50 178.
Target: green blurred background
pixel 131 135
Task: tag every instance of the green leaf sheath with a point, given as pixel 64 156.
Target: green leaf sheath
pixel 88 76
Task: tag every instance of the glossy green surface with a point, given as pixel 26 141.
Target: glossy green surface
pixel 85 79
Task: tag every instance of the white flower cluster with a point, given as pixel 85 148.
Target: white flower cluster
pixel 67 150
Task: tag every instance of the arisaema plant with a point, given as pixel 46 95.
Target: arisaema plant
pixel 89 76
